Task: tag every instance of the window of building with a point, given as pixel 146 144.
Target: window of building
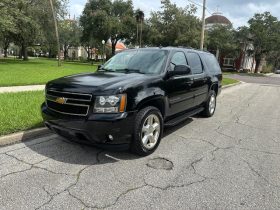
pixel 228 62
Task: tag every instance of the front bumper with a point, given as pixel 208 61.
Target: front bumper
pixel 93 129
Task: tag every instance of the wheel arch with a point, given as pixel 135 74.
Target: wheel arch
pixel 155 101
pixel 215 87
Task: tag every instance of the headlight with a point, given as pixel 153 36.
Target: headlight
pixel 110 104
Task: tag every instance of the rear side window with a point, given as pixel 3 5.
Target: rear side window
pixel 212 63
pixel 195 63
pixel 178 58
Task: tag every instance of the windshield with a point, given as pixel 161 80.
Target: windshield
pixel 137 61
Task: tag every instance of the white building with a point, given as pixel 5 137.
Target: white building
pixel 245 61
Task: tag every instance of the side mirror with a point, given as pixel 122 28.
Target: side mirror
pixel 180 70
pixel 99 67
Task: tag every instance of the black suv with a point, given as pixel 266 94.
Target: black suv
pixel 133 96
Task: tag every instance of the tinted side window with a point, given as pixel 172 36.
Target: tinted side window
pixel 195 63
pixel 212 63
pixel 178 58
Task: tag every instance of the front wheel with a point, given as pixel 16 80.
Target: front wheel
pixel 148 131
pixel 210 106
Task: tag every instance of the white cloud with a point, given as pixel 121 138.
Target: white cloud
pixel 76 9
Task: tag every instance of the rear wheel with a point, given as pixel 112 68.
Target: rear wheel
pixel 148 131
pixel 210 106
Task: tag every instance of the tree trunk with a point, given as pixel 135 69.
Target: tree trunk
pixel 50 53
pixel 65 53
pixel 114 43
pixel 5 52
pixel 6 46
pixel 218 54
pixel 20 54
pixel 24 52
pixel 88 53
pixel 258 62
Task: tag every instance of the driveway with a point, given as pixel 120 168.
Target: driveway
pixel 229 161
pixel 271 80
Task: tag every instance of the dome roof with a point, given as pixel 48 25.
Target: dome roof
pixel 217 18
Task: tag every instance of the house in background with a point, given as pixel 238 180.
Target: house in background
pixel 245 61
pixel 96 54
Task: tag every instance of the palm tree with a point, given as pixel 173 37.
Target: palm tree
pixel 139 19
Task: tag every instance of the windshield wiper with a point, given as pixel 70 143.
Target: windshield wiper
pixel 131 71
pixel 109 70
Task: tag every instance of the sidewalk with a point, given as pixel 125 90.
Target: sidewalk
pixel 14 89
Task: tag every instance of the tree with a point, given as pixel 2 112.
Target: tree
pixel 24 21
pixel 175 26
pixel 108 20
pixel 7 23
pixel 70 34
pixel 140 16
pixel 222 39
pixel 265 32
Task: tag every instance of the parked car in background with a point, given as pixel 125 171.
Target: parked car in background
pixel 133 96
pixel 277 71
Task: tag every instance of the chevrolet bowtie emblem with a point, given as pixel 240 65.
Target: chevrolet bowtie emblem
pixel 61 100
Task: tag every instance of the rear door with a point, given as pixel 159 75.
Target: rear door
pixel 200 79
pixel 179 88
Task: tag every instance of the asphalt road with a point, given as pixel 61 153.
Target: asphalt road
pixel 229 161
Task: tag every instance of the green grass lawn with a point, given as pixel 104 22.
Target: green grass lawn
pixel 20 111
pixel 37 71
pixel 228 81
pixel 245 74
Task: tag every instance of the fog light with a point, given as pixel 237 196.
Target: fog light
pixel 110 137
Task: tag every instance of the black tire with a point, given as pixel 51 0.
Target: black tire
pixel 207 111
pixel 137 145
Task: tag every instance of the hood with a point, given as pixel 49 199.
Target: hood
pixel 98 82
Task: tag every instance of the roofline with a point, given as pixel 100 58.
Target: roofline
pixel 190 49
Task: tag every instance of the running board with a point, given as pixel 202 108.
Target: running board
pixel 183 117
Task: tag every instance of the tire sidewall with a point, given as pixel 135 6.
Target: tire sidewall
pixel 144 113
pixel 208 103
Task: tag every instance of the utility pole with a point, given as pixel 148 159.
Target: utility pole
pixel 203 25
pixel 56 32
pixel 141 30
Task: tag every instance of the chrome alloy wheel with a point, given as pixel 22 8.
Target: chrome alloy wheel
pixel 212 104
pixel 150 131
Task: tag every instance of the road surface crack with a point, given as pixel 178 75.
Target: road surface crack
pixel 120 196
pixel 257 173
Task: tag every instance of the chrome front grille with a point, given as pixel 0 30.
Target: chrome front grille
pixel 68 103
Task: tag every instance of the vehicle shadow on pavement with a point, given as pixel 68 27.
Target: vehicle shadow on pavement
pixel 169 130
pixel 62 150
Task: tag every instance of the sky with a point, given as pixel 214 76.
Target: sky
pixel 237 11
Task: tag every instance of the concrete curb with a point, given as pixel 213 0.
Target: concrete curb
pixel 16 89
pixel 268 74
pixel 23 136
pixel 232 85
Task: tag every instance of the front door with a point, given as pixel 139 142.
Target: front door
pixel 179 88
